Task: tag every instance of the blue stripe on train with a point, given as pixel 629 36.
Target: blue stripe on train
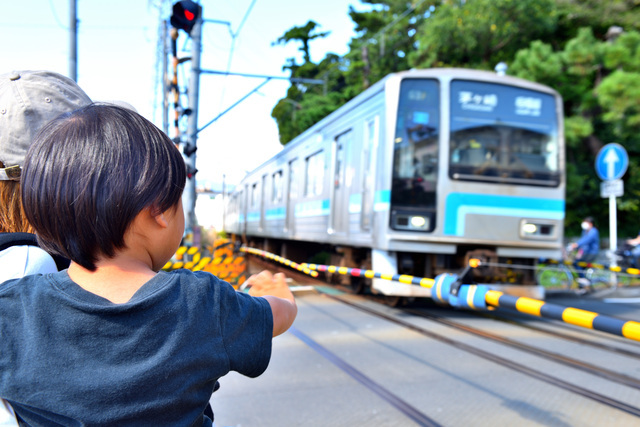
pixel 458 205
pixel 312 208
pixel 276 213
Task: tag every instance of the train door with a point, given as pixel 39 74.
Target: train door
pixel 292 194
pixel 369 158
pixel 339 216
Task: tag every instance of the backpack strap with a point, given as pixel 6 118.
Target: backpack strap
pixel 17 239
pixel 27 239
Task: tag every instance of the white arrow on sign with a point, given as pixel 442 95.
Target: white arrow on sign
pixel 611 158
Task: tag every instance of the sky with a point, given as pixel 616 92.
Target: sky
pixel 118 60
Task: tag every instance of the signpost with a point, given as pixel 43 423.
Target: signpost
pixel 611 164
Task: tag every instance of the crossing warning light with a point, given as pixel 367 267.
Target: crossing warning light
pixel 185 14
pixel 191 171
pixel 189 149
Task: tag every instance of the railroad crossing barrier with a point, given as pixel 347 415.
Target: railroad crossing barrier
pixel 447 289
pixel 279 259
pixel 614 268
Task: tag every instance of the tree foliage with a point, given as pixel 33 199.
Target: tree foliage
pixel 303 35
pixel 588 50
pixel 481 33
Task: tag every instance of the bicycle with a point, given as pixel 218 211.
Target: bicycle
pixel 565 274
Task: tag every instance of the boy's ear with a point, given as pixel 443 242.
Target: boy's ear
pixel 158 216
pixel 161 220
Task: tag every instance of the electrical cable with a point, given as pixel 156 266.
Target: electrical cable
pixel 234 37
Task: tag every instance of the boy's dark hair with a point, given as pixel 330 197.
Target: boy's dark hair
pixel 90 172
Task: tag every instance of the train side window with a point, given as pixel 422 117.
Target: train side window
pixel 293 179
pixel 314 174
pixel 276 192
pixel 254 195
pixel 368 171
pixel 262 197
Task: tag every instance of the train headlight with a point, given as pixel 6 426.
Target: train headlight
pixel 538 229
pixel 410 221
pixel 529 228
pixel 418 221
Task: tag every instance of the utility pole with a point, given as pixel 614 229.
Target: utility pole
pixel 189 196
pixel 73 40
pixel 187 16
pixel 165 77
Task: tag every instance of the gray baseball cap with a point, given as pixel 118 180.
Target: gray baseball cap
pixel 28 101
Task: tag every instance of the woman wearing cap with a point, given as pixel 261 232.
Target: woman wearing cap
pixel 28 101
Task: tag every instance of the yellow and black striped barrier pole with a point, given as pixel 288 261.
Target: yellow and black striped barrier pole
pixel 575 316
pixel 281 260
pixel 312 270
pixel 614 268
pixel 445 289
pixel 370 274
pixel 480 296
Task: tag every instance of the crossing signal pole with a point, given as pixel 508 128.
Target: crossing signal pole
pixel 187 16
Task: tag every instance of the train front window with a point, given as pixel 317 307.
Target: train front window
pixel 415 156
pixel 503 134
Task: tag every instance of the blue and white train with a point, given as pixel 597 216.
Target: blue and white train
pixel 415 175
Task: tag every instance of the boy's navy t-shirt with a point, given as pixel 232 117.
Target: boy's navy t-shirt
pixel 68 356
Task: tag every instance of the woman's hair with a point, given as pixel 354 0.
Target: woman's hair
pixel 90 172
pixel 12 218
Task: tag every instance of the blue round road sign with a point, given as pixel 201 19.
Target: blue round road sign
pixel 612 162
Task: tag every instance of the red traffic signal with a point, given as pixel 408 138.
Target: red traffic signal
pixel 185 14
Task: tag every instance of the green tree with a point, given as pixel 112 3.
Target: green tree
pixel 303 35
pixel 308 103
pixel 481 33
pixel 599 15
pixel 385 38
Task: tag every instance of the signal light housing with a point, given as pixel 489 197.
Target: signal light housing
pixel 191 171
pixel 189 149
pixel 185 15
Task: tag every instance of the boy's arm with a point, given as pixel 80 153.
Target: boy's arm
pixel 274 289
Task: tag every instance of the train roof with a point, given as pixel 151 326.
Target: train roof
pixel 453 73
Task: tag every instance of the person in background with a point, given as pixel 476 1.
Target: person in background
pixel 588 246
pixel 130 344
pixel 635 250
pixel 28 100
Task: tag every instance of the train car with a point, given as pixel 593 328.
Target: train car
pixel 417 174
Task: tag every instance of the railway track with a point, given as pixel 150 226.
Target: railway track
pixel 566 366
pixel 535 373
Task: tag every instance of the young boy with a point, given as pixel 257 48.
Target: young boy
pixel 112 341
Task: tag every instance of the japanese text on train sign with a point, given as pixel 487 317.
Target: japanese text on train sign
pixel 477 102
